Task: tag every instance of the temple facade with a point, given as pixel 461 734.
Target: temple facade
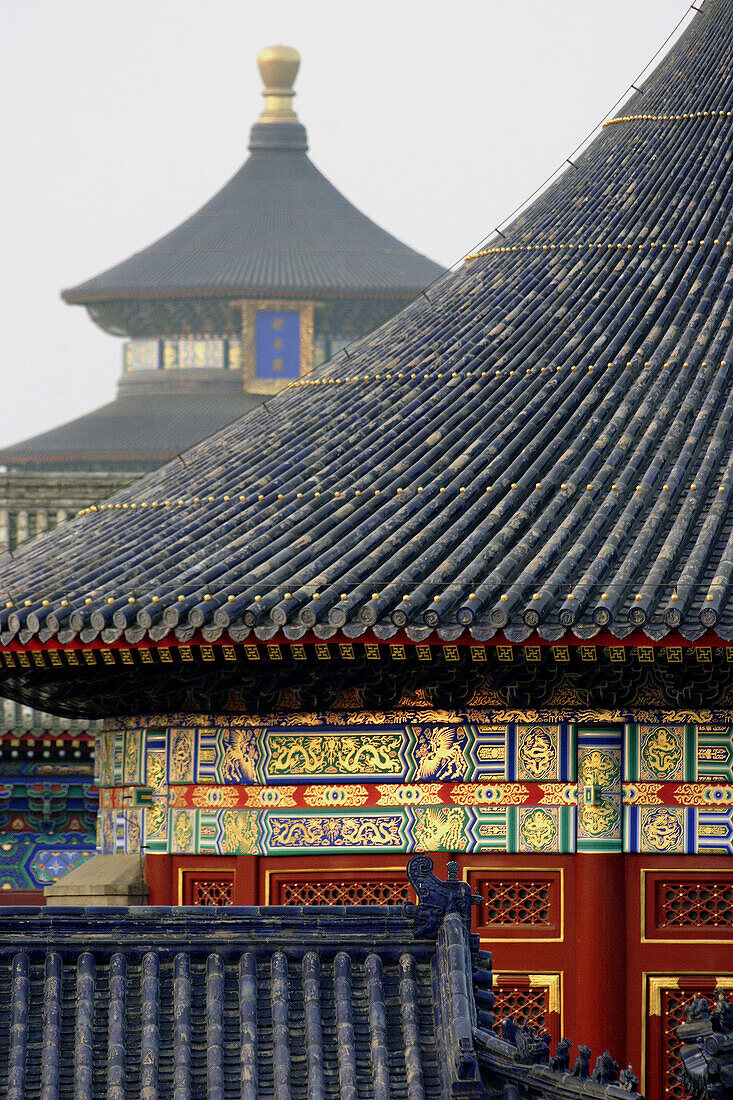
pixel 467 590
pixel 268 279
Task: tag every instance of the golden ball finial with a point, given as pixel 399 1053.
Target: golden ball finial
pixel 278 67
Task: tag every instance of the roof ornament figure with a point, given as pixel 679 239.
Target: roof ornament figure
pixel 533 1045
pixel 706 1053
pixel 561 1058
pixel 628 1081
pixel 278 127
pixel 722 1016
pixel 437 898
pixel 697 1009
pixel 582 1062
pixel 606 1070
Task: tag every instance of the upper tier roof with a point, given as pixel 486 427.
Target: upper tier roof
pixel 277 227
pixel 545 442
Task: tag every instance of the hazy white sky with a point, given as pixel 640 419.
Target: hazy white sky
pixel 118 118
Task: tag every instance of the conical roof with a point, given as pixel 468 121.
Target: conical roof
pixel 542 446
pixel 277 227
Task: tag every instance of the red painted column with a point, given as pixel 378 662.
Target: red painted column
pixel 600 955
pixel 246 890
pixel 159 877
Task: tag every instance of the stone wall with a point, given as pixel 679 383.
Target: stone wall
pixel 31 503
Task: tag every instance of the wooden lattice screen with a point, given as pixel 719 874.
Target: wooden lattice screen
pixel 516 904
pixel 341 892
pixel 529 1000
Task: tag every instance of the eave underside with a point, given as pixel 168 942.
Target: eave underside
pixel 108 682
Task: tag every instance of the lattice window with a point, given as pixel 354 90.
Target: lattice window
pixel 524 1004
pixel 363 892
pixel 516 904
pixel 672 995
pixel 212 891
pixel 524 903
pixel 689 904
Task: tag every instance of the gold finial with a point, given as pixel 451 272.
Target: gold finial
pixel 278 67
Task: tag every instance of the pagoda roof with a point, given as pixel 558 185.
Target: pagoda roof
pixel 136 431
pixel 271 1001
pixel 278 227
pixel 541 446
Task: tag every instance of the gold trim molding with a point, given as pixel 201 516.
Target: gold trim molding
pixel 657 983
pixel 198 870
pixel 552 982
pixel 655 987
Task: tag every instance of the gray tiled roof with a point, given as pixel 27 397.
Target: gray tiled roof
pixel 134 432
pixel 278 226
pixel 19 719
pixel 544 443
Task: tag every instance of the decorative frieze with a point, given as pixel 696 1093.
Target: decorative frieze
pixel 230 785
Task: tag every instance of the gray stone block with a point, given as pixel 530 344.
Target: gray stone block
pixel 102 881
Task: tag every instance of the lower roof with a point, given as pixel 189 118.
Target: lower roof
pixel 374 1002
pixel 136 431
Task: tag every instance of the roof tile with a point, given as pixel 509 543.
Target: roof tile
pixel 555 419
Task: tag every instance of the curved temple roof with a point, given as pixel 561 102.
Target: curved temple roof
pixel 277 227
pixel 135 431
pixel 543 443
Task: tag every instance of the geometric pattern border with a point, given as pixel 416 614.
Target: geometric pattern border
pixel 664 764
pixel 274 831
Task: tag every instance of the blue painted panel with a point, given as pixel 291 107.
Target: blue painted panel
pixel 277 336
